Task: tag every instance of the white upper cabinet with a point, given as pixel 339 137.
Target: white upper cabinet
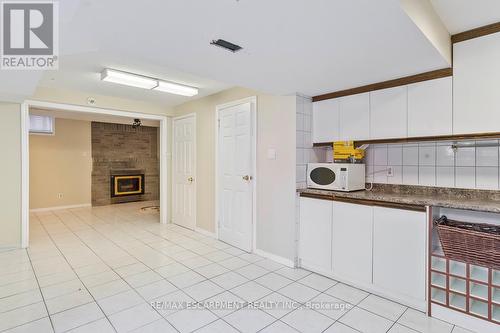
pixel 388 113
pixel 430 111
pixel 355 117
pixel 476 85
pixel 415 110
pixel 326 127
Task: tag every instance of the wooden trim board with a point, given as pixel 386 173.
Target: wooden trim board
pixel 478 136
pixel 475 33
pixel 436 74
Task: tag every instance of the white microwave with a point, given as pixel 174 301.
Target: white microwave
pixel 336 176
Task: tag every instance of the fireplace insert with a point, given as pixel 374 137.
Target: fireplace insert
pixel 123 185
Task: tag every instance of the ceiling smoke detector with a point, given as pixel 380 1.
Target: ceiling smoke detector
pixel 226 45
pixel 136 123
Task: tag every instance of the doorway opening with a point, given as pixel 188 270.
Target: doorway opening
pixel 73 114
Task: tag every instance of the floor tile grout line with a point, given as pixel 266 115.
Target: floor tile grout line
pixel 18 293
pixel 43 297
pixel 24 305
pixel 134 289
pixel 17 281
pixel 26 323
pixel 206 279
pixel 233 270
pixel 337 321
pixel 86 288
pixel 396 321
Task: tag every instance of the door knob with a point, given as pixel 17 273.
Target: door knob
pixel 190 179
pixel 247 177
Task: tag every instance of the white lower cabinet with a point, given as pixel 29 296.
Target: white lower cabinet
pixel 382 250
pixel 315 242
pixel 399 253
pixel 352 241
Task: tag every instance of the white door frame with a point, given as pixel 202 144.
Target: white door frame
pixel 174 119
pixel 78 108
pixel 253 102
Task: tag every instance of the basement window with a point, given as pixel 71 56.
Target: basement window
pixel 41 124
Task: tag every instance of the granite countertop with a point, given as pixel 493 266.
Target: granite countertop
pixel 477 200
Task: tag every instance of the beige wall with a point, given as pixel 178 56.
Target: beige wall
pixel 275 178
pixel 61 163
pixel 10 195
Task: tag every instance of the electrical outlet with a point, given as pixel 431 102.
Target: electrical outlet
pixel 59 195
pixel 390 172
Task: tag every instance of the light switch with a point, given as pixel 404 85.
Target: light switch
pixel 271 154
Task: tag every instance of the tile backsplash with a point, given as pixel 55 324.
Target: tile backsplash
pixel 474 165
pixel 305 151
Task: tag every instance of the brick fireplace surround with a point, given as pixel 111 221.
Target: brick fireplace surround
pixel 119 149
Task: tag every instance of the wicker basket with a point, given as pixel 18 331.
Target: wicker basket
pixel 473 243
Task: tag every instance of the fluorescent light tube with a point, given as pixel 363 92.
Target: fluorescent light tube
pixel 175 88
pixel 128 79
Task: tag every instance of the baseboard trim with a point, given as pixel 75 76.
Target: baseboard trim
pixel 274 257
pixel 7 248
pixel 205 232
pixel 463 320
pixel 59 208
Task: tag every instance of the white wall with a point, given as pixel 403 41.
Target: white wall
pixel 276 178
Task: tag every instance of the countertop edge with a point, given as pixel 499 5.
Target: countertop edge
pixel 416 204
pixel 367 202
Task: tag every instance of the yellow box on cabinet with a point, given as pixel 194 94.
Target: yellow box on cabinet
pixel 344 150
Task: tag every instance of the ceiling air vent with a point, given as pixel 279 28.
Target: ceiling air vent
pixel 226 45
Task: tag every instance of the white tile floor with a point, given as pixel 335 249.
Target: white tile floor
pixel 115 269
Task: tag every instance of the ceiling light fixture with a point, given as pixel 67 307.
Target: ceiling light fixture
pixel 175 88
pixel 145 82
pixel 137 123
pixel 128 79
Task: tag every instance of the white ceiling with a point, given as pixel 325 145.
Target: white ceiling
pixel 462 15
pixel 310 47
pixel 83 71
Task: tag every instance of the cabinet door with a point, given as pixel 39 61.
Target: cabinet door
pixel 315 237
pixel 430 110
pixel 399 250
pixel 388 113
pixel 476 82
pixel 352 242
pixel 355 117
pixel 326 121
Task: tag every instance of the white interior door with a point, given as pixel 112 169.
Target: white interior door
pixel 235 175
pixel 184 172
